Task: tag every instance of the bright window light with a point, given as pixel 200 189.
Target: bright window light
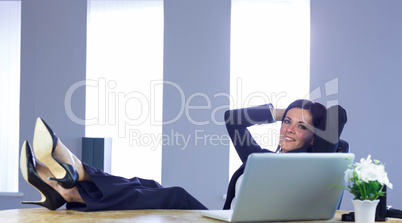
pixel 124 72
pixel 270 41
pixel 10 44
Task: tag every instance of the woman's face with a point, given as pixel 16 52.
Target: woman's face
pixel 294 133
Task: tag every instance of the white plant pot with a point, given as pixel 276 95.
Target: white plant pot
pixel 365 210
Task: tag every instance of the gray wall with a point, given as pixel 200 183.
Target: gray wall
pixel 53 54
pixel 196 58
pixel 360 43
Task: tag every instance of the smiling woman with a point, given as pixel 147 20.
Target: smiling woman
pixel 301 120
pixel 297 120
pixel 294 131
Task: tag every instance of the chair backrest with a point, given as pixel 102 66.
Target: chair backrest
pixel 343 146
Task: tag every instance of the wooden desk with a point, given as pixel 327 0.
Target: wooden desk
pixel 153 216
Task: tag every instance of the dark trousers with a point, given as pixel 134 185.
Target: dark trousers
pixel 108 192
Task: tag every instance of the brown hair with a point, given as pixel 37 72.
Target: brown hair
pixel 317 110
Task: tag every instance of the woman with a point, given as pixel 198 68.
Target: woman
pixel 63 178
pixel 306 127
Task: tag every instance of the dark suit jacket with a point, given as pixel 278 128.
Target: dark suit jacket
pixel 238 120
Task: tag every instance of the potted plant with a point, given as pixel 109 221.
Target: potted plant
pixel 365 180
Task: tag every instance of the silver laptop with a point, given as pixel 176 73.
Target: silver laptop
pixel 288 187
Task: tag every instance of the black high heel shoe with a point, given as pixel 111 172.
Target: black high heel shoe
pixel 51 199
pixel 44 144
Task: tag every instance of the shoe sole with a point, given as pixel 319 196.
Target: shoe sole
pixel 24 171
pixel 43 149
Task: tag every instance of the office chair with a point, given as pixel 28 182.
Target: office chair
pixel 343 146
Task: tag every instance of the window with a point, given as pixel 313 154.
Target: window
pixel 270 41
pixel 10 29
pixel 124 90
